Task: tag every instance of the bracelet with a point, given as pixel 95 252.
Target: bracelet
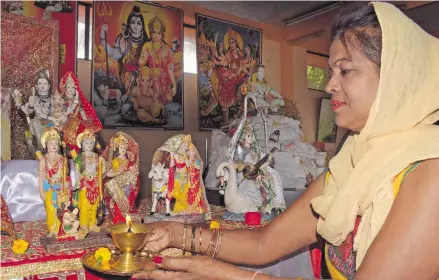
pixel 193 240
pixel 201 232
pixel 218 244
pixel 255 274
pixel 211 247
pixel 184 239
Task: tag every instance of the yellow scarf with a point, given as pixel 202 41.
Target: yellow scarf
pixel 398 132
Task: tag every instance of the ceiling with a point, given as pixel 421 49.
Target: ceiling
pixel 273 12
pixel 313 34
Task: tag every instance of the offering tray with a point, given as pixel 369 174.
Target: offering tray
pixel 144 258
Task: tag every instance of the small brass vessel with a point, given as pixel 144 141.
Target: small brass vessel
pixel 128 239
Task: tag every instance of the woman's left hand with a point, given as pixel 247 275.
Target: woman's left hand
pixel 192 268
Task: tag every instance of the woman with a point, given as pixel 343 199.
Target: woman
pixel 122 179
pixel 128 45
pixel 158 56
pixel 77 110
pixel 381 94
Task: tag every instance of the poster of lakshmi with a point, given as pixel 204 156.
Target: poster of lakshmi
pixel 226 55
pixel 138 65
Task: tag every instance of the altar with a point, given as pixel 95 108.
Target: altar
pixel 37 263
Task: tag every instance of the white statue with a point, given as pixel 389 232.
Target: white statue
pixel 160 176
pixel 266 97
pixel 235 200
pixel 58 115
pixel 39 104
pixel 265 189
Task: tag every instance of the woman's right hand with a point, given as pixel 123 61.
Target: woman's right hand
pixel 160 237
pixel 42 195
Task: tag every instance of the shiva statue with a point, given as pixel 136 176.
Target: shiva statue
pixel 52 180
pixel 89 167
pixel 40 104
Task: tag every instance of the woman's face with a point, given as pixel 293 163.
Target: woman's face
pixel 136 26
pixel 52 146
pixel 353 86
pixel 191 153
pixel 232 44
pixel 42 85
pixel 70 90
pixel 88 145
pixel 156 35
pixel 123 149
pixel 248 138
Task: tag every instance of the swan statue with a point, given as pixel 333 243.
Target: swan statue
pixel 234 200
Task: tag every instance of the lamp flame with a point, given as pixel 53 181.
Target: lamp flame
pixel 129 222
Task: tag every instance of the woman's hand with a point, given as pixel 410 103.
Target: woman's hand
pixel 160 238
pixel 192 268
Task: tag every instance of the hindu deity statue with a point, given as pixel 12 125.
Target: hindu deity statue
pixel 77 109
pixel 266 97
pixel 58 116
pixel 144 101
pixel 40 104
pixel 178 184
pixel 157 55
pixel 122 177
pixel 52 180
pixel 196 193
pixel 90 168
pixel 266 190
pixel 128 45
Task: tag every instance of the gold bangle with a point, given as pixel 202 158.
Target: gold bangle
pixel 184 239
pixel 218 244
pixel 201 232
pixel 193 240
pixel 211 247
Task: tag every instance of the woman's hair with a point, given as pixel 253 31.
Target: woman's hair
pixel 358 28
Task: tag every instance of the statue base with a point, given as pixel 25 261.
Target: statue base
pixel 92 240
pixel 240 217
pixel 187 219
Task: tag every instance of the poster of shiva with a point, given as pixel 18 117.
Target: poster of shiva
pixel 138 65
pixel 227 53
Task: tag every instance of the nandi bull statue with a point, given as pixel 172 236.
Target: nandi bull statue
pixel 160 175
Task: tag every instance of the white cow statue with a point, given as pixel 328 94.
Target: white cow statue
pixel 159 175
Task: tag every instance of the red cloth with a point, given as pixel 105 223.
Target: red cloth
pixel 171 182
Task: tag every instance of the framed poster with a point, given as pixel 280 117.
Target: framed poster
pixel 138 65
pixel 327 129
pixel 29 45
pixel 226 53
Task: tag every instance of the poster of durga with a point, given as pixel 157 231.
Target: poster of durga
pixel 227 53
pixel 138 65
